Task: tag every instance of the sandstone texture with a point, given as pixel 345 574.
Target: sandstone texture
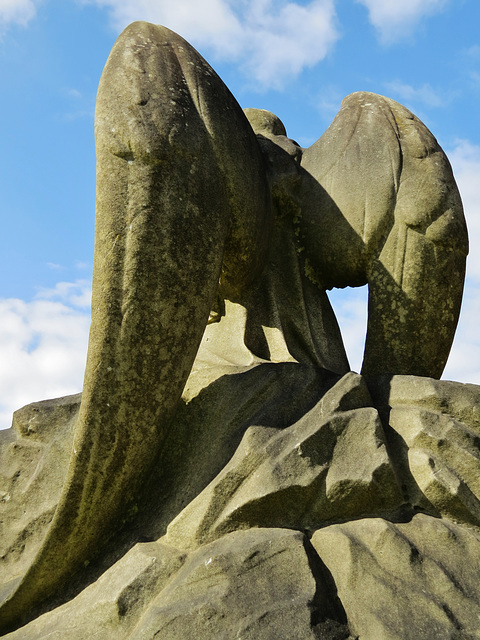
pixel 405 580
pixel 310 530
pixel 224 475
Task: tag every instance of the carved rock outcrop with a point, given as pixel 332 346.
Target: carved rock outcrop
pixel 313 529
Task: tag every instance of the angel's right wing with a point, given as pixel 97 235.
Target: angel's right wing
pixel 380 205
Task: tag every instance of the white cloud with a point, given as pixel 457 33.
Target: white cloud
pixel 272 40
pixel 464 362
pixel 16 12
pixel 281 44
pixel 43 346
pixel 206 21
pixel 395 19
pixel 465 160
pixel 474 51
pixel 77 294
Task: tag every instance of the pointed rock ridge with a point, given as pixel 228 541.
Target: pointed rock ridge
pixel 400 577
pixel 236 587
pixel 330 465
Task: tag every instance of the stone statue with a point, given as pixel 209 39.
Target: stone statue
pixel 219 418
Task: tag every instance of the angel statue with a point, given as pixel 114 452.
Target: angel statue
pixel 216 239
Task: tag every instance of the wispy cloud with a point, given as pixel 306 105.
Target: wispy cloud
pixel 77 104
pixel 83 265
pixel 473 52
pixel 74 294
pixel 395 19
pixel 328 102
pixel 271 40
pixel 425 94
pixel 43 346
pixel 18 12
pixel 475 76
pixel 74 93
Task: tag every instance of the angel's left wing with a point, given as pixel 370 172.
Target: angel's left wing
pixel 380 205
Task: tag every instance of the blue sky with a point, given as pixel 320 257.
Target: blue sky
pixel 297 59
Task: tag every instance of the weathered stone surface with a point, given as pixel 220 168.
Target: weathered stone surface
pixel 110 608
pixel 204 436
pixel 214 223
pixel 198 197
pixel 343 473
pixel 261 583
pixel 209 427
pixel 330 465
pixel 458 400
pixel 34 456
pixel 435 432
pixel 233 588
pixel 416 580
